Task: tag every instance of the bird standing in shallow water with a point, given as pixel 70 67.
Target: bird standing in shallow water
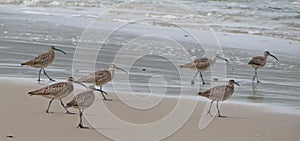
pixel 42 61
pixel 258 62
pixel 101 77
pixel 56 91
pixel 219 93
pixel 82 101
pixel 202 64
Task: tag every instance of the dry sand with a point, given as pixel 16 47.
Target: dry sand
pixel 23 118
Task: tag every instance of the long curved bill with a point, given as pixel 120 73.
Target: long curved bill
pixel 122 70
pixel 236 83
pixel 80 83
pixel 223 59
pixel 60 51
pixel 273 56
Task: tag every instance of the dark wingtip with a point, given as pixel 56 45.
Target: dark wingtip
pixel 22 64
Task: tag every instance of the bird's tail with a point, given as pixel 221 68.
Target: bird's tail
pixel 22 64
pixel 204 94
pixel 30 93
pixel 34 93
pixel 72 103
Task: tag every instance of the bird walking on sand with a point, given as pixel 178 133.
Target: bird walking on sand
pixel 219 93
pixel 202 64
pixel 82 101
pixel 56 91
pixel 101 77
pixel 258 62
pixel 42 61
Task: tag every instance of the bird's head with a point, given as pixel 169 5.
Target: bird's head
pixel 113 66
pixel 53 48
pixel 218 56
pixel 268 53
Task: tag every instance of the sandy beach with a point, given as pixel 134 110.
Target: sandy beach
pixel 150 40
pixel 23 118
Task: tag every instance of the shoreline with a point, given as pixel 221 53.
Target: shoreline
pixel 265 107
pixel 243 122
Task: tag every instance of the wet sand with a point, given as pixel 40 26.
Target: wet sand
pixel 23 118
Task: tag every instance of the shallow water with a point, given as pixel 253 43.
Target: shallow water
pixel 153 47
pixel 259 17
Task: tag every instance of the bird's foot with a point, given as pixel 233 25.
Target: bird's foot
pixel 52 79
pixel 221 116
pixel 209 114
pixel 106 99
pixel 192 83
pixel 257 81
pixel 49 112
pixel 204 83
pixel 81 126
pixel 69 113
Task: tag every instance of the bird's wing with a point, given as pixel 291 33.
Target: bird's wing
pixel 94 77
pixel 83 99
pixel 88 79
pixel 103 75
pixel 198 63
pixel 202 62
pixel 215 93
pixel 50 90
pixel 256 60
pixel 38 60
pixel 72 103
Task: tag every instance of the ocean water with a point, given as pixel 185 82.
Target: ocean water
pixel 259 17
pixel 149 33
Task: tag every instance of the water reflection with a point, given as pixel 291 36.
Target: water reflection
pixel 256 97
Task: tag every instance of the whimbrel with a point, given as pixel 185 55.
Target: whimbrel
pixel 202 64
pixel 219 93
pixel 82 101
pixel 258 62
pixel 43 60
pixel 56 91
pixel 101 77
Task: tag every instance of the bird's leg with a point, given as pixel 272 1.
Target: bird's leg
pixel 39 79
pixel 47 110
pixel 80 125
pixel 192 82
pixel 219 110
pixel 67 111
pixel 47 75
pixel 103 92
pixel 210 108
pixel 202 79
pixel 256 76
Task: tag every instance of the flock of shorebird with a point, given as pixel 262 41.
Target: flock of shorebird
pixel 99 78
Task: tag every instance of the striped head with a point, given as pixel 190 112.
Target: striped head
pixel 266 53
pixel 232 82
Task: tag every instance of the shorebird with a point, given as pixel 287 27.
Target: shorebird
pixel 258 62
pixel 202 64
pixel 43 60
pixel 56 91
pixel 101 77
pixel 82 101
pixel 219 93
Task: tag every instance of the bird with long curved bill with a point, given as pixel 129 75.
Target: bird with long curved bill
pixel 101 77
pixel 57 91
pixel 258 62
pixel 83 101
pixel 42 61
pixel 219 93
pixel 202 64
